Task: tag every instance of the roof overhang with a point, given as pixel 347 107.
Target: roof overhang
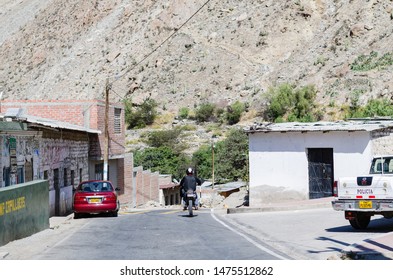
pixel 58 125
pixel 367 125
pixel 38 122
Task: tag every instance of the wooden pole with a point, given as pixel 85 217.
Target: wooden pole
pixel 212 165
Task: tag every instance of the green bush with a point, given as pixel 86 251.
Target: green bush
pixel 285 103
pixel 373 108
pixel 205 112
pixel 142 115
pixel 234 112
pixel 280 100
pixel 165 138
pixel 183 113
pixel 159 138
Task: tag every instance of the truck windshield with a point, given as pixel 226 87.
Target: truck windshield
pixel 382 165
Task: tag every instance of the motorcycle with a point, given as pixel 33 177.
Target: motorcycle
pixel 191 202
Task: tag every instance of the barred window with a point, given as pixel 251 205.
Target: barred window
pixel 117 119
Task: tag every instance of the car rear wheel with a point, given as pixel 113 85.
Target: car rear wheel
pixel 361 221
pixel 115 214
pixel 77 215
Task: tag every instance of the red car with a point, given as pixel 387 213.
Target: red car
pixel 94 197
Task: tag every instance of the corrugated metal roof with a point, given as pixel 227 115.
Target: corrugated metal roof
pixel 352 125
pixel 19 116
pixel 57 124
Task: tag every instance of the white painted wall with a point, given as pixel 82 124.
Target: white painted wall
pixel 280 159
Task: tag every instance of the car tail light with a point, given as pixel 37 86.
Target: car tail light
pixel 110 197
pixel 78 198
pixel 335 189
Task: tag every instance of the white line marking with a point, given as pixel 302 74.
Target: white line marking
pixel 259 246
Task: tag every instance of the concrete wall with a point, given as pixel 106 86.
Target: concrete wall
pixel 65 201
pixel 279 163
pixel 127 196
pixel 24 210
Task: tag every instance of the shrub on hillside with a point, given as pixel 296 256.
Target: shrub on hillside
pixel 205 112
pixel 286 103
pixel 373 108
pixel 183 113
pixel 234 112
pixel 142 115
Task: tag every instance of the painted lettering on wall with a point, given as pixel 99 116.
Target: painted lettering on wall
pixel 12 205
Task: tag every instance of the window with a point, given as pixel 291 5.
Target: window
pixel 117 119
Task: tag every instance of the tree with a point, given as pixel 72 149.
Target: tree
pixel 202 160
pixel 230 158
pixel 163 160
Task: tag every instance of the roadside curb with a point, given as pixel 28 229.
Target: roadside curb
pixel 287 206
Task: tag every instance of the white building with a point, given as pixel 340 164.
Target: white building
pixel 291 161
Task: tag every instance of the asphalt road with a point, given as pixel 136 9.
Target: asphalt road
pixel 155 235
pixel 311 234
pixel 308 234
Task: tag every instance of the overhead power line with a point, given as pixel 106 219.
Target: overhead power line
pixel 161 44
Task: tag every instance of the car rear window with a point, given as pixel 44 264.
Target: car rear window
pixel 96 187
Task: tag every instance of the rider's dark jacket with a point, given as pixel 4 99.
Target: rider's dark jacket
pixel 189 182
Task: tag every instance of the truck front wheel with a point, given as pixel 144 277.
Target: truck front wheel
pixel 360 221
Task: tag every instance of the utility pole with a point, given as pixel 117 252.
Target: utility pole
pixel 212 164
pixel 106 132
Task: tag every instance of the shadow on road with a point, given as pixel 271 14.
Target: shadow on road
pixel 381 225
pixel 188 216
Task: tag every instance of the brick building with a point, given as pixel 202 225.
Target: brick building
pixel 35 148
pixel 89 115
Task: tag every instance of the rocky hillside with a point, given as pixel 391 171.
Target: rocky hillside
pixel 184 52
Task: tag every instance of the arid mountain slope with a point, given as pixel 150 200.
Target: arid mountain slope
pixel 228 50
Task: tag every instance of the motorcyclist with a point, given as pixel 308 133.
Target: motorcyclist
pixel 189 182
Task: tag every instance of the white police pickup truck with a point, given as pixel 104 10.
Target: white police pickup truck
pixel 368 195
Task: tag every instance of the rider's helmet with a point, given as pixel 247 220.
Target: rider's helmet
pixel 189 171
